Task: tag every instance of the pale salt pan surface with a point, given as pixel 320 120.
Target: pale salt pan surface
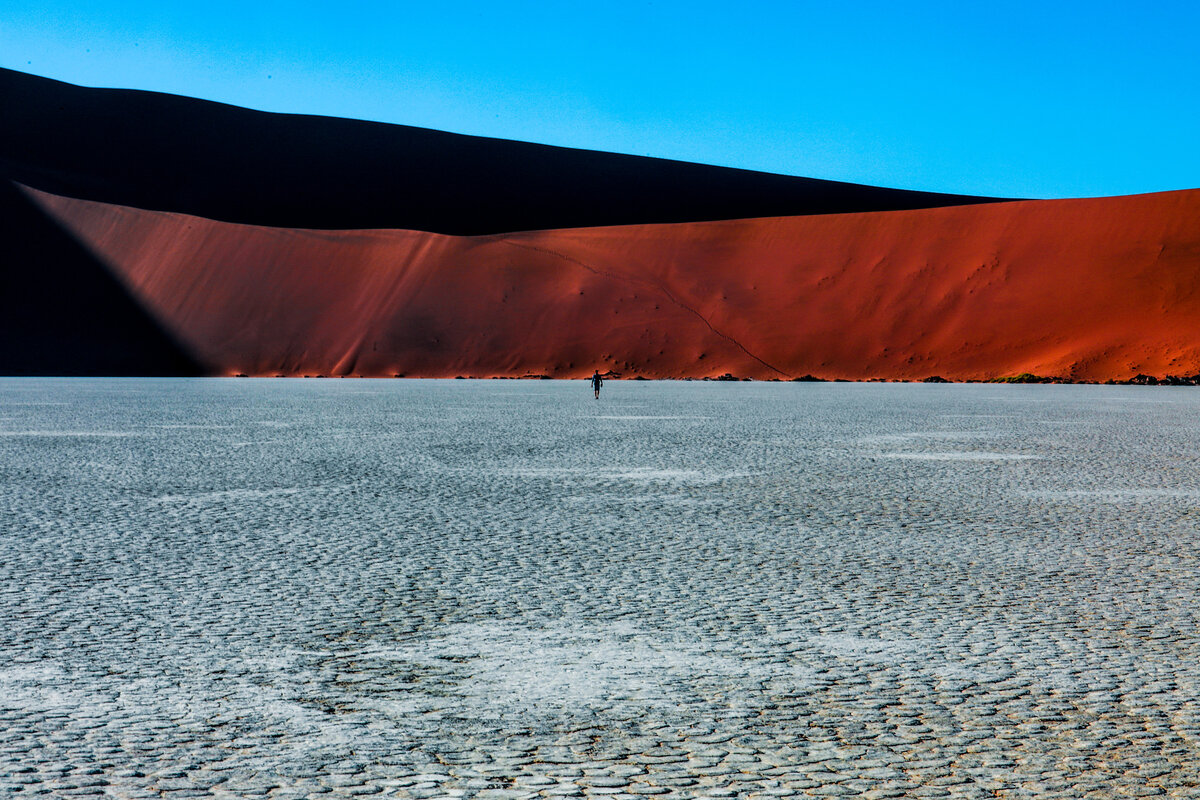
pixel 459 588
pixel 960 456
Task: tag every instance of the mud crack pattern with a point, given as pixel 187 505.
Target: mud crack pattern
pixel 283 589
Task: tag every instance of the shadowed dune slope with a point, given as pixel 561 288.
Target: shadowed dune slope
pixel 1089 289
pixel 62 312
pixel 173 153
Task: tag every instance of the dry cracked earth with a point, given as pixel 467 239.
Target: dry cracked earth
pixel 495 589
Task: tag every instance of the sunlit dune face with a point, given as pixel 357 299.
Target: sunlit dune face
pixel 1084 289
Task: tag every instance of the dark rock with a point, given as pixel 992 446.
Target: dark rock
pixel 1180 380
pixel 1026 377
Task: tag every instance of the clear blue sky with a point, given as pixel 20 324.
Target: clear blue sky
pixel 1034 99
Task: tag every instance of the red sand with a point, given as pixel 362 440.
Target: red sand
pixel 1087 289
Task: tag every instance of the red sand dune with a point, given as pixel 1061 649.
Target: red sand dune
pixel 1089 289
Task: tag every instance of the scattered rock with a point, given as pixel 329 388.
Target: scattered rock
pixel 1151 380
pixel 1026 377
pixel 1180 380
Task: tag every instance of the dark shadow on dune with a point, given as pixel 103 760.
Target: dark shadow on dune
pixel 170 153
pixel 63 313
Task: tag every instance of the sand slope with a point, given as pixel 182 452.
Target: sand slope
pixel 1090 289
pixel 64 312
pixel 171 153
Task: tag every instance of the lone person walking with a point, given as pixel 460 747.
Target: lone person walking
pixel 597 382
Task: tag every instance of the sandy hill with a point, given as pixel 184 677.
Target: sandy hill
pixel 1088 289
pixel 172 153
pixel 143 233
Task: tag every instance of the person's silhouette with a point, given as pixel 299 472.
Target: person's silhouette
pixel 597 382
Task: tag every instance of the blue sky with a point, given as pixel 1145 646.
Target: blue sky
pixel 1045 99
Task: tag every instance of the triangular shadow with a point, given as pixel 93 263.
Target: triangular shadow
pixel 62 312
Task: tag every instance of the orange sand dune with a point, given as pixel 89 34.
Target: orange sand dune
pixel 1088 289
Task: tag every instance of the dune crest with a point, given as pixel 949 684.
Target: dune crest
pixel 1086 289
